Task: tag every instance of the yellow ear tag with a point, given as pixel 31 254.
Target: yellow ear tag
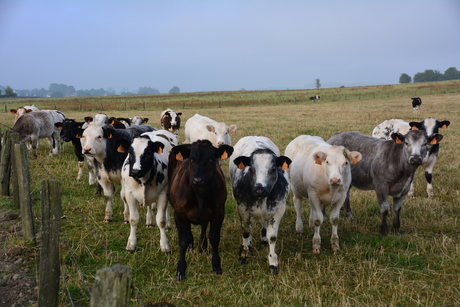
pixel 318 161
pixel 241 166
pixel 179 157
pixel 285 166
pixel 121 149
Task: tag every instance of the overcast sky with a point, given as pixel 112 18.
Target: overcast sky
pixel 223 45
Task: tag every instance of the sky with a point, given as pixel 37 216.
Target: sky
pixel 216 45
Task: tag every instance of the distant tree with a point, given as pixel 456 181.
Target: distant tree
pixel 57 94
pixel 147 91
pixel 405 78
pixel 318 84
pixel 174 90
pixel 451 74
pixel 83 93
pixel 9 92
pixel 428 75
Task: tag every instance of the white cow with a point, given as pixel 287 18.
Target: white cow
pixel 388 127
pixel 322 173
pixel 200 127
pixel 23 110
pixel 145 181
pixel 261 187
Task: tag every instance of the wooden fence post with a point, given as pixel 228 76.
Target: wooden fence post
pixel 112 287
pixel 5 164
pixel 49 266
pixel 22 185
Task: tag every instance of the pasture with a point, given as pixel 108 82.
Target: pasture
pixel 419 268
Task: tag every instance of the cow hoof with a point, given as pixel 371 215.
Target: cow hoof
pixel 264 243
pixel 243 260
pixel 125 222
pixel 218 272
pixel 274 270
pixel 316 251
pixel 149 226
pixel 299 233
pixel 107 221
pixel 335 247
pixel 168 228
pixel 410 194
pixel 131 251
pixel 179 276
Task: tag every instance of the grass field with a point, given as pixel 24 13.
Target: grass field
pixel 419 268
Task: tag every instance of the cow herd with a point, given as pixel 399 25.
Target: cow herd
pixel 154 169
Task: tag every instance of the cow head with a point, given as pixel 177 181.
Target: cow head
pixel 263 168
pixel 416 144
pixel 202 160
pixel 430 125
pixel 67 129
pixel 220 133
pixel 336 163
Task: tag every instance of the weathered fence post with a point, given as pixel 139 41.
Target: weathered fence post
pixel 49 268
pixel 5 164
pixel 22 185
pixel 112 287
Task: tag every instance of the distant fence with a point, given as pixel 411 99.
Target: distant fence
pixel 112 286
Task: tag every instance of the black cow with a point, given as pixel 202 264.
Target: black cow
pixel 416 104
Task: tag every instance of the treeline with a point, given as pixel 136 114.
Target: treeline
pixel 431 75
pixel 64 90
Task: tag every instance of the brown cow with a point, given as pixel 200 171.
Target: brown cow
pixel 197 192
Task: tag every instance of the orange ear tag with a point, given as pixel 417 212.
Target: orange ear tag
pixel 179 157
pixel 121 149
pixel 160 150
pixel 398 141
pixel 241 166
pixel 285 166
pixel 224 155
pixel 318 161
pixel 433 141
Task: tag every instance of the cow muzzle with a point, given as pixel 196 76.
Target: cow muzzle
pixel 416 160
pixel 335 181
pixel 87 151
pixel 260 191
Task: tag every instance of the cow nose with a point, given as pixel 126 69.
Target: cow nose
pixel 260 191
pixel 198 180
pixel 415 160
pixel 220 143
pixel 134 172
pixel 86 151
pixel 335 181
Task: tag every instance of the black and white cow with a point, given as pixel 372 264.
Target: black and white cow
pixel 145 181
pixel 316 97
pixel 387 167
pixel 430 125
pixel 261 187
pixel 101 142
pixel 170 120
pixel 416 104
pixel 37 125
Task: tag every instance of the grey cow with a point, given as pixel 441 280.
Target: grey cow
pixel 388 167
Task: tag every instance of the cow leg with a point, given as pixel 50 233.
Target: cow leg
pixel 298 209
pixel 263 233
pixel 429 174
pixel 133 221
pixel 214 239
pixel 108 188
pixel 334 219
pixel 126 206
pixel 185 240
pixel 397 205
pixel 203 246
pixel 162 204
pixel 316 219
pixel 384 205
pixel 346 205
pixel 149 215
pixel 80 170
pixel 272 234
pixel 412 188
pixel 246 230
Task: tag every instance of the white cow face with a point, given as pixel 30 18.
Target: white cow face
pixel 93 139
pixel 336 163
pixel 221 133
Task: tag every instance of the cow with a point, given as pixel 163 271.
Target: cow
pixel 23 110
pixel 260 186
pixel 170 120
pixel 99 119
pixel 197 191
pixel 145 181
pixel 137 120
pixel 430 125
pixel 100 142
pixel 203 128
pixel 416 104
pixel 387 167
pixel 322 173
pixel 35 125
pixel 316 97
pixel 117 124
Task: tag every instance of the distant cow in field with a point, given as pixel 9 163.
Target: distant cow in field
pixel 145 181
pixel 197 191
pixel 37 125
pixel 260 186
pixel 322 173
pixel 416 104
pixel 387 167
pixel 170 120
pixel 137 120
pixel 316 97
pixel 430 125
pixel 200 127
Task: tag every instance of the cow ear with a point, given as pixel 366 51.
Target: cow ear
pixel 241 162
pixel 158 147
pixel 181 152
pixel 232 128
pixel 398 138
pixel 13 111
pixel 58 125
pixel 146 120
pixel 28 110
pixel 210 128
pixel 444 124
pixel 121 148
pixel 355 157
pixel 179 114
pixel 284 162
pixel 435 138
pixel 224 151
pixel 414 125
pixel 319 157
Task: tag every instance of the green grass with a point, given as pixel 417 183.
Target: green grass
pixel 419 268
